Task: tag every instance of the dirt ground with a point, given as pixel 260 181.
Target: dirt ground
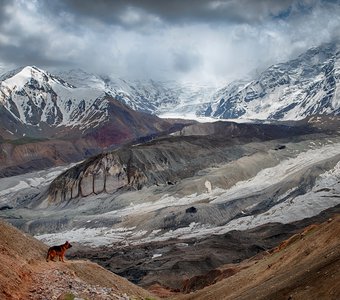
pixel 25 274
pixel 305 266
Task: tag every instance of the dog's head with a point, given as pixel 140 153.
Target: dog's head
pixel 67 245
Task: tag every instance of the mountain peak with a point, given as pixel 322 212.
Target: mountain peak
pixel 18 78
pixel 35 97
pixel 21 78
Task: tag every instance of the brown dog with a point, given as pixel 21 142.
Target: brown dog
pixel 58 251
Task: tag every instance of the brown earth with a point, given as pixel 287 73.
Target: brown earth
pixel 26 275
pixel 305 266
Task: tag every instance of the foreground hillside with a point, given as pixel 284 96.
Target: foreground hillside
pixel 305 266
pixel 26 275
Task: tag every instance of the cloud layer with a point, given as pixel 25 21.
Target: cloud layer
pixel 192 40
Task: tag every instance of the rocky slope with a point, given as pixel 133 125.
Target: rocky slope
pixel 298 88
pixel 305 266
pixel 26 275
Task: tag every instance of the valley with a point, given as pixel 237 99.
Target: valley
pixel 244 189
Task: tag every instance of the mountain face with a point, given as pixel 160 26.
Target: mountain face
pixel 150 96
pixel 42 114
pixel 39 100
pixel 293 90
pixel 36 98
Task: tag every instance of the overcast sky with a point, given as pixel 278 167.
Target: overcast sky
pixel 186 40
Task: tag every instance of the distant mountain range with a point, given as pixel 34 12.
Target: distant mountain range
pixel 37 103
pixel 150 96
pixel 296 89
pixel 305 86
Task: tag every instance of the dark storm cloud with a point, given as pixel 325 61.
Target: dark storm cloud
pixel 163 39
pixel 24 40
pixel 33 53
pixel 173 11
pixel 4 15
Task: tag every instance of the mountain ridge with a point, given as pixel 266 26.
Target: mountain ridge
pixel 298 88
pixel 291 90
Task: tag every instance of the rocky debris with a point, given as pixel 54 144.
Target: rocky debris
pixel 191 210
pixel 280 147
pixel 67 284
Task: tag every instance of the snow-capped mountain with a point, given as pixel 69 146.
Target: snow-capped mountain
pixel 302 87
pixel 293 90
pixel 46 121
pixel 168 98
pixel 36 103
pixel 35 97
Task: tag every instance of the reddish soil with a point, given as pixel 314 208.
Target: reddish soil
pixel 25 274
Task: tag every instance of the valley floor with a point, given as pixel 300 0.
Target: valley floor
pixel 163 236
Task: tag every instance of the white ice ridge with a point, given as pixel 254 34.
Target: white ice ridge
pixel 270 176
